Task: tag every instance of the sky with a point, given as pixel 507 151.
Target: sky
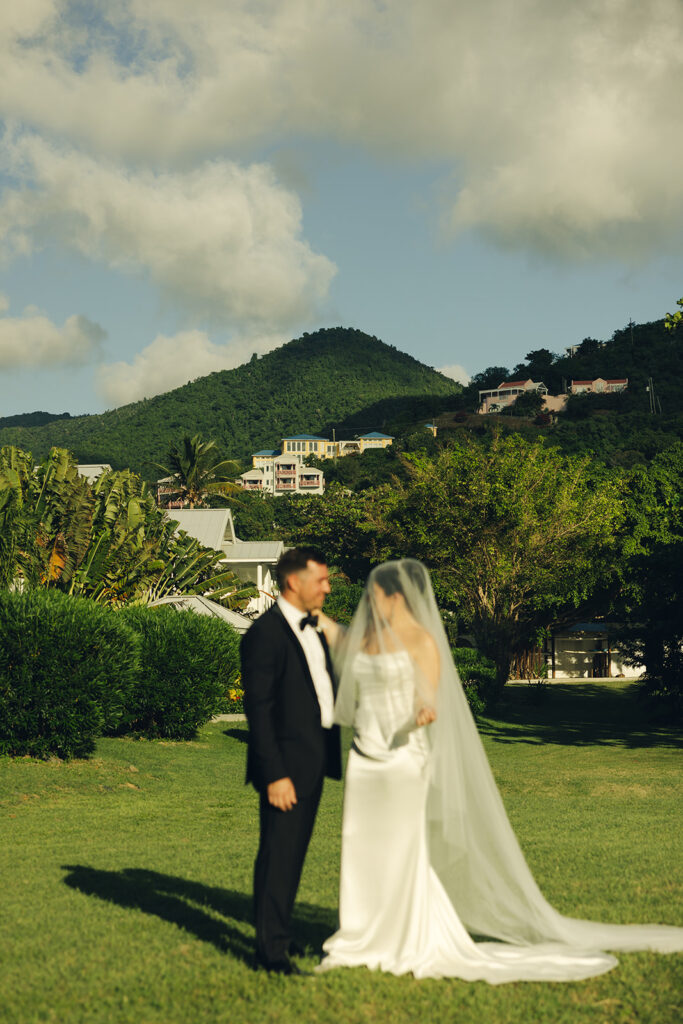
pixel 183 184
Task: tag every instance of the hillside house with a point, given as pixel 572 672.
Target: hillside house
pixel 497 399
pixel 282 473
pixel 324 448
pixel 599 386
pixel 283 470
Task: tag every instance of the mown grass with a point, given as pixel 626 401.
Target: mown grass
pixel 126 878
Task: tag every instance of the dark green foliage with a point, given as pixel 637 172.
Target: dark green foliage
pixel 478 677
pixel 528 404
pixel 344 597
pixel 650 602
pixel 32 419
pixel 67 670
pixel 309 385
pixel 358 472
pixel 254 515
pixel 187 664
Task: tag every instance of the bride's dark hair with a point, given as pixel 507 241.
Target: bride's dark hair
pixel 391 577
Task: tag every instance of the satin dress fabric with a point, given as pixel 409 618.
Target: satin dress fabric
pixel 395 914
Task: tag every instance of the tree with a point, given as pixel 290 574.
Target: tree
pixel 672 320
pixel 517 535
pixel 197 470
pixel 107 541
pixel 652 576
pixel 529 403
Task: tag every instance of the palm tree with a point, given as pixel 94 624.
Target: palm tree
pixel 196 470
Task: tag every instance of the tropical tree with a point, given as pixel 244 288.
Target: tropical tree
pixel 107 541
pixel 196 470
pixel 16 520
pixel 517 536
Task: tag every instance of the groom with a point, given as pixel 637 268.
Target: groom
pixel 289 692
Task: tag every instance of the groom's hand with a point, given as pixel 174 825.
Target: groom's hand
pixel 281 794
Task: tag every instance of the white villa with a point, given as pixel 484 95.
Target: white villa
pixel 496 399
pixel 277 472
pixel 282 470
pixel 251 561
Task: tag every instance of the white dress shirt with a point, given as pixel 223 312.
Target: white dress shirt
pixel 315 656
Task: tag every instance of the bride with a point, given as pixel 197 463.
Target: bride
pixel 433 880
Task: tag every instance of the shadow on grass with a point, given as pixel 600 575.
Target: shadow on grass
pixel 193 906
pixel 241 735
pixel 577 714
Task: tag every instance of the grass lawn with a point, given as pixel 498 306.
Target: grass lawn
pixel 126 878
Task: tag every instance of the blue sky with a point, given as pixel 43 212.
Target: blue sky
pixel 182 185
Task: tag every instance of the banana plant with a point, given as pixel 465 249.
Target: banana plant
pixel 107 541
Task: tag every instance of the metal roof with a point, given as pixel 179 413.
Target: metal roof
pixel 253 551
pixel 375 434
pixel 203 606
pixel 212 527
pixel 266 453
pixel 303 437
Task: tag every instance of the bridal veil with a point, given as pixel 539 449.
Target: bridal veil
pixel 472 846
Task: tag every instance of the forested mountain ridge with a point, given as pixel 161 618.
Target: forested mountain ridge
pixel 308 385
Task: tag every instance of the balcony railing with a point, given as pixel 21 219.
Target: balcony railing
pixel 307 482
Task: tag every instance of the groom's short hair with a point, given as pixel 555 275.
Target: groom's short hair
pixel 296 560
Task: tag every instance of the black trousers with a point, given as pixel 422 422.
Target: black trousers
pixel 282 850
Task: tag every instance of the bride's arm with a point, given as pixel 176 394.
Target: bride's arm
pixel 332 630
pixel 430 670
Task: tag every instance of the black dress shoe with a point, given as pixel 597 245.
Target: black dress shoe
pixel 284 966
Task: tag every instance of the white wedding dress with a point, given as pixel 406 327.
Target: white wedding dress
pixel 429 857
pixel 394 912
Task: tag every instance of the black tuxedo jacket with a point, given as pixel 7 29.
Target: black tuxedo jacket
pixel 286 737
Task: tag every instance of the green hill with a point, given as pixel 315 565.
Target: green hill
pixel 621 429
pixel 311 385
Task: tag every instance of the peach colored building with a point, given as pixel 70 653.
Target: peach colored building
pixel 599 386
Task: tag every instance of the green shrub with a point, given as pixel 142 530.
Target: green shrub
pixel 67 670
pixel 188 664
pixel 478 675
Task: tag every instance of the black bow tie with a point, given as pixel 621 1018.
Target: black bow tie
pixel 308 620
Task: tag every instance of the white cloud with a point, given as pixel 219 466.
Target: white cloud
pixel 32 340
pixel 560 121
pixel 221 240
pixel 169 362
pixel 456 372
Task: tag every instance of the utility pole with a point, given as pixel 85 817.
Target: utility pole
pixel 655 404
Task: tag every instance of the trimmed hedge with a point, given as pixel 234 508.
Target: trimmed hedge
pixel 68 668
pixel 187 665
